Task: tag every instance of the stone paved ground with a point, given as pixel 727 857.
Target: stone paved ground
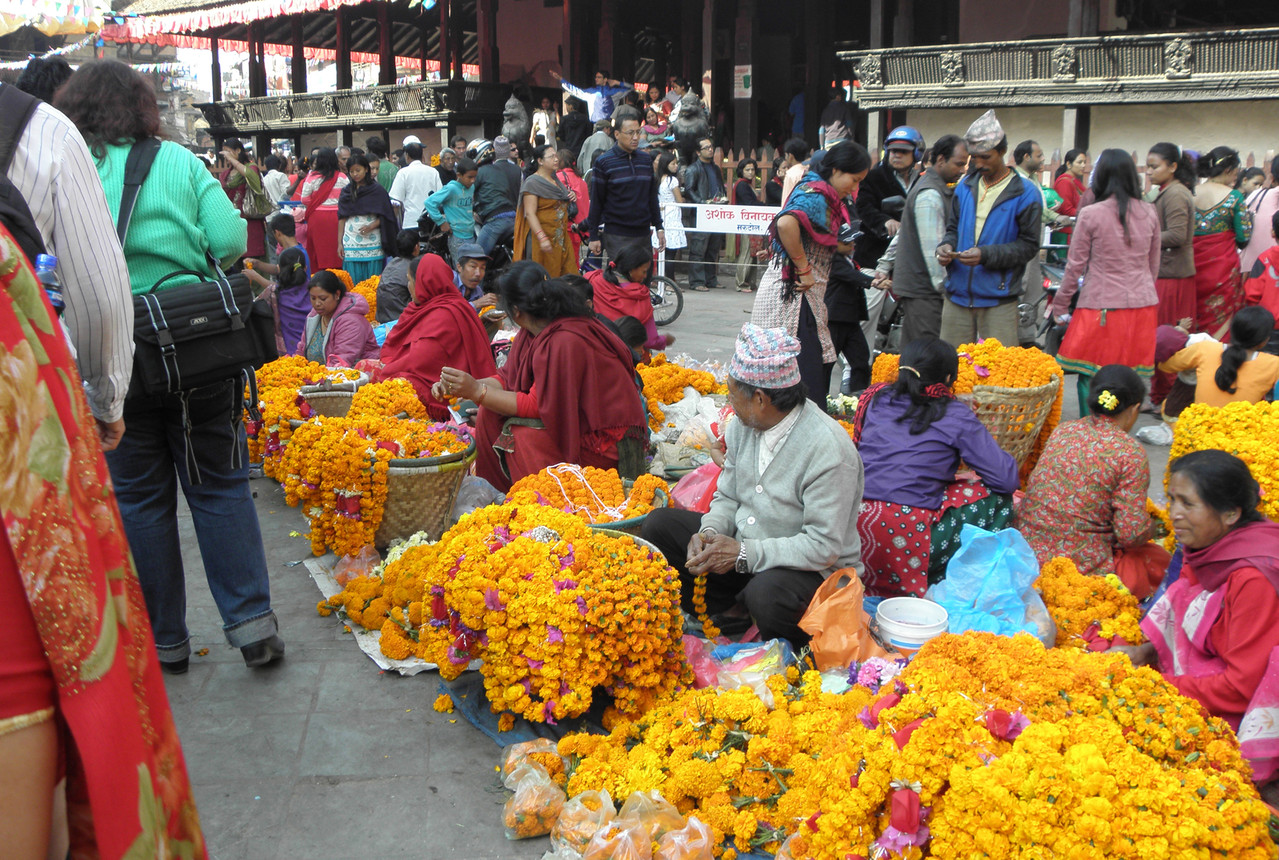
pixel 325 757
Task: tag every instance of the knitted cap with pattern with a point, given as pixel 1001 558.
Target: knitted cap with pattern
pixel 765 358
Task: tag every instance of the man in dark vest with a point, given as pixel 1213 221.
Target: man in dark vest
pixel 910 265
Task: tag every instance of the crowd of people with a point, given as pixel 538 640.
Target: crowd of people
pixel 953 231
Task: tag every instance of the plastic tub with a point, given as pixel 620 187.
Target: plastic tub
pixel 908 622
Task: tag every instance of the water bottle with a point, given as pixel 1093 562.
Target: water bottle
pixel 47 272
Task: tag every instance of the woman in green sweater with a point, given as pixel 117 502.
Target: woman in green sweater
pixel 195 438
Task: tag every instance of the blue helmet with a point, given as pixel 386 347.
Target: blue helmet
pixel 906 134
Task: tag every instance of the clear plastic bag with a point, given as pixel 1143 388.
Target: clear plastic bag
pixel 693 841
pixel 535 806
pixel 623 839
pixel 361 564
pixel 517 754
pixel 473 494
pixel 751 665
pixel 657 815
pixel 581 818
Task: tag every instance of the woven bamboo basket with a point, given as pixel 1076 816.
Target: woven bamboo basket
pixel 632 526
pixel 420 494
pixel 332 399
pixel 1014 416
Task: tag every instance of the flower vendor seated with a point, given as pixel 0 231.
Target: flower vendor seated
pixel 621 289
pixel 911 435
pixel 1234 372
pixel 565 395
pixel 784 514
pixel 1215 632
pixel 472 264
pixel 337 330
pixel 439 327
pixel 1086 499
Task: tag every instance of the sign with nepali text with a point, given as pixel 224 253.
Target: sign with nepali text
pixel 743 220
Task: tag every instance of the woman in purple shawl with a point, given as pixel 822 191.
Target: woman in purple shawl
pixel 804 237
pixel 366 222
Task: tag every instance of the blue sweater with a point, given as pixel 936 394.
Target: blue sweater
pixel 623 194
pixel 1008 241
pixel 452 203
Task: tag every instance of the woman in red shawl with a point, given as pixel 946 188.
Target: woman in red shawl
pixel 80 685
pixel 566 394
pixel 439 327
pixel 620 291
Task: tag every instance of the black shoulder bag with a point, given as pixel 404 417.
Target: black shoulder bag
pixel 195 334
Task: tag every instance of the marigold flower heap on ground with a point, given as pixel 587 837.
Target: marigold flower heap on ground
pixel 665 382
pixel 553 609
pixel 991 363
pixel 1250 431
pixel 1000 747
pixel 1089 611
pixel 278 383
pixel 594 495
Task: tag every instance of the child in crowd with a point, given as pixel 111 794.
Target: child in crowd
pixel 288 298
pixel 451 208
pixel 393 287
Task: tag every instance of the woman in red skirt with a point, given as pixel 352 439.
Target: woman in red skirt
pixel 1116 245
pixel 1173 173
pixel 1223 224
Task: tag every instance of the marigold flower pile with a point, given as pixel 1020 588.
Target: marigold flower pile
pixel 368 289
pixel 991 363
pixel 1250 431
pixel 664 383
pixel 985 746
pixel 1090 611
pixel 594 495
pixel 278 383
pixel 336 469
pixel 554 610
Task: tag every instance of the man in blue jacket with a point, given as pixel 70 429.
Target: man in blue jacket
pixel 624 192
pixel 995 222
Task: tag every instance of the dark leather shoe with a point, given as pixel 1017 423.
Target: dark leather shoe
pixel 263 653
pixel 176 667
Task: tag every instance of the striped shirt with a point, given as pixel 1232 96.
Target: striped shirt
pixel 55 174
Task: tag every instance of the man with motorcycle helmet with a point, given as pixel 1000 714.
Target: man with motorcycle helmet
pixel 494 209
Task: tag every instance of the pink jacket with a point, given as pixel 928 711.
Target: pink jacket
pixel 1117 274
pixel 350 337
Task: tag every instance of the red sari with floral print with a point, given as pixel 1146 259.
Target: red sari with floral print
pixel 128 794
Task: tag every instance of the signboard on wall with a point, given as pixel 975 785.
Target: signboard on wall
pixel 742 81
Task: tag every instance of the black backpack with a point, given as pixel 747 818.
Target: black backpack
pixel 16 107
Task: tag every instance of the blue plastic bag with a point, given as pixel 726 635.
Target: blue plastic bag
pixel 990 586
pixel 381 331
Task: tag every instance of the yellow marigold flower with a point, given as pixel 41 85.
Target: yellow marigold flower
pixel 444 703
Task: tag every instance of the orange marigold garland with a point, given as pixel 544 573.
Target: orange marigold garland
pixel 368 289
pixel 278 383
pixel 1249 431
pixel 390 398
pixel 595 495
pixel 1091 612
pixel 664 383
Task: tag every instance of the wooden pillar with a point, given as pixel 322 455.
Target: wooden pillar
pixel 257 74
pixel 215 68
pixel 818 27
pixel 708 53
pixel 486 25
pixel 385 46
pixel 1083 19
pixel 423 30
pixel 457 41
pixel 446 56
pixel 570 55
pixel 690 41
pixel 345 81
pixel 904 23
pixel 745 111
pixel 297 76
pixel 607 42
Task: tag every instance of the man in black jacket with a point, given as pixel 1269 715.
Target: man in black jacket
pixel 703 184
pixel 575 127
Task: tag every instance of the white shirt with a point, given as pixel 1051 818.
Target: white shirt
pixel 774 437
pixel 276 185
pixel 55 174
pixel 411 187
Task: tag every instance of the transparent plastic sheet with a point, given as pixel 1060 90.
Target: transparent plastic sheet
pixel 693 841
pixel 580 819
pixel 657 815
pixel 622 839
pixel 751 665
pixel 535 806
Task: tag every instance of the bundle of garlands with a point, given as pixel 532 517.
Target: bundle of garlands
pixel 368 289
pixel 992 363
pixel 556 612
pixel 984 746
pixel 664 383
pixel 1250 431
pixel 594 495
pixel 278 384
pixel 1091 612
pixel 336 468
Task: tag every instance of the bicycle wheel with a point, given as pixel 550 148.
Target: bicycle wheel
pixel 668 300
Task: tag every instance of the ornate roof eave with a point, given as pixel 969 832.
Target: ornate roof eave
pixel 1186 66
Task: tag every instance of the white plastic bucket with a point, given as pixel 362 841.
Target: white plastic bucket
pixel 908 622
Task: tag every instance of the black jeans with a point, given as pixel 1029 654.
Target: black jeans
pixel 814 373
pixel 776 599
pixel 850 342
pixel 703 259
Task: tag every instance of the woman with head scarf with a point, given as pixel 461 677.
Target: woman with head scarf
pixel 367 224
pixel 438 327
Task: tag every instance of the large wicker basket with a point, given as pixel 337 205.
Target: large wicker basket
pixel 420 494
pixel 632 526
pixel 332 399
pixel 1014 416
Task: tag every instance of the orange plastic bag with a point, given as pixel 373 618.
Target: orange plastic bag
pixel 623 839
pixel 839 625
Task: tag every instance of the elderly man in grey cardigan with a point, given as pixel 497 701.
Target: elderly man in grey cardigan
pixel 784 516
